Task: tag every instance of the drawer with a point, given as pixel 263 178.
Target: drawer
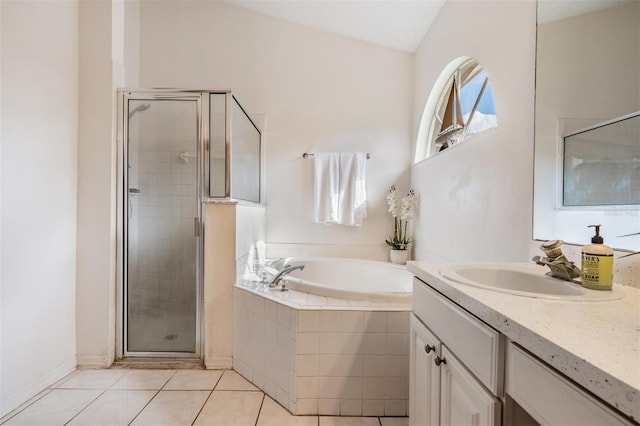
pixel 550 398
pixel 478 346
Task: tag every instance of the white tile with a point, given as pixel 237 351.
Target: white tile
pixel 351 407
pixel 351 365
pixel 114 407
pixel 353 321
pixel 55 408
pixel 352 388
pixel 284 316
pixel 293 331
pixel 394 421
pixel 373 366
pixel 396 365
pixel 272 414
pixel 374 322
pixel 396 388
pixel 172 408
pixel 397 322
pixel 307 365
pixel 282 378
pixel 231 408
pixel 330 365
pixel 282 335
pixel 373 407
pixel 331 321
pixel 330 387
pixel 232 381
pixel 93 379
pixel 308 343
pixel 395 407
pixel 282 396
pixel 373 388
pixel 306 387
pixel 306 406
pixel 193 380
pixel 329 407
pixel 313 300
pixel 330 343
pixel 373 344
pixel 397 344
pixel 270 309
pixel 352 343
pixel 308 321
pixel 258 306
pixel 348 421
pixel 337 302
pixel 144 379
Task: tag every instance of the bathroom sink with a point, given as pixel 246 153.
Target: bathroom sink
pixel 523 279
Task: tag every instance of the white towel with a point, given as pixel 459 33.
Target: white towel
pixel 326 170
pixel 340 188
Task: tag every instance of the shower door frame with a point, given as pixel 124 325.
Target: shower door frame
pixel 202 112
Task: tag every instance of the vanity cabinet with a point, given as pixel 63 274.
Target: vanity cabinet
pixel 464 372
pixel 455 365
pixel 548 397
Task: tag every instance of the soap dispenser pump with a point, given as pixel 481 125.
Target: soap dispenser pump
pixel 597 263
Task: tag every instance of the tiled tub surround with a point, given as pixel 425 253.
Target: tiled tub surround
pixel 317 355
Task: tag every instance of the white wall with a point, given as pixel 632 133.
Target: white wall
pixel 320 92
pixel 475 198
pixel 96 188
pixel 39 88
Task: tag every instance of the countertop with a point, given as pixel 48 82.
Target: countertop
pixel 595 344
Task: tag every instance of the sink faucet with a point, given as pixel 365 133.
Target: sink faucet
pixel 276 280
pixel 560 266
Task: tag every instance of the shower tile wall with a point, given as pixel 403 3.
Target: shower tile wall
pixel 161 227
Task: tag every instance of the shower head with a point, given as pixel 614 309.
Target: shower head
pixel 139 108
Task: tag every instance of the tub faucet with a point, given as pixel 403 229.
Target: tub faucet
pixel 276 280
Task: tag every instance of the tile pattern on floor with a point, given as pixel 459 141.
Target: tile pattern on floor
pixel 167 397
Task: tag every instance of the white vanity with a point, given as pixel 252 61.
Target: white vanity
pixel 486 357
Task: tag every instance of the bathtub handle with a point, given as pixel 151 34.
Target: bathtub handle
pixel 429 348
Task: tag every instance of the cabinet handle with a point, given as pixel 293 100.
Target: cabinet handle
pixel 439 361
pixel 429 348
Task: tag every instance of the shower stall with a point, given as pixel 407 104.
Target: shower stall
pixel 177 148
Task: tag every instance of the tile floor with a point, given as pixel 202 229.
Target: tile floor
pixel 166 397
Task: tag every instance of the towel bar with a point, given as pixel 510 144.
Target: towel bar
pixel 307 155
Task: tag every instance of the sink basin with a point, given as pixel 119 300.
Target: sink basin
pixel 524 279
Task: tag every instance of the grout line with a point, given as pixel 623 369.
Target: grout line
pixel 85 407
pixel 143 408
pixel 203 405
pixel 260 409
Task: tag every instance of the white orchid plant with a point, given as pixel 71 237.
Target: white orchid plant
pixel 402 215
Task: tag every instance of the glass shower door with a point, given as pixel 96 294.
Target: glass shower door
pixel 162 216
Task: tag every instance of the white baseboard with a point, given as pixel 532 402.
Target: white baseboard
pixel 218 362
pixel 93 361
pixel 14 400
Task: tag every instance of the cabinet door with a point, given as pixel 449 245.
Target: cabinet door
pixel 424 399
pixel 463 400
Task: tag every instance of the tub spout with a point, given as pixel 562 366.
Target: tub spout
pixel 276 280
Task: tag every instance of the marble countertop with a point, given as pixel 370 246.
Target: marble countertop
pixel 595 344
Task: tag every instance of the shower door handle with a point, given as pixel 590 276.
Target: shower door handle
pixel 196 227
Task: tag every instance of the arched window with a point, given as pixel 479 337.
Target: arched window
pixel 462 109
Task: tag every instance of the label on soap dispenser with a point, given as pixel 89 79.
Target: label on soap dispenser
pixel 597 271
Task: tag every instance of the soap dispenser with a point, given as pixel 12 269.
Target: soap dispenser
pixel 597 263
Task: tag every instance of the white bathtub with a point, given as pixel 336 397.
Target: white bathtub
pixel 351 279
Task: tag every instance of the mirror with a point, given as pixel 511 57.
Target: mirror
pixel 587 73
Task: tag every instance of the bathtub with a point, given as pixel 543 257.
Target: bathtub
pixel 336 343
pixel 351 279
